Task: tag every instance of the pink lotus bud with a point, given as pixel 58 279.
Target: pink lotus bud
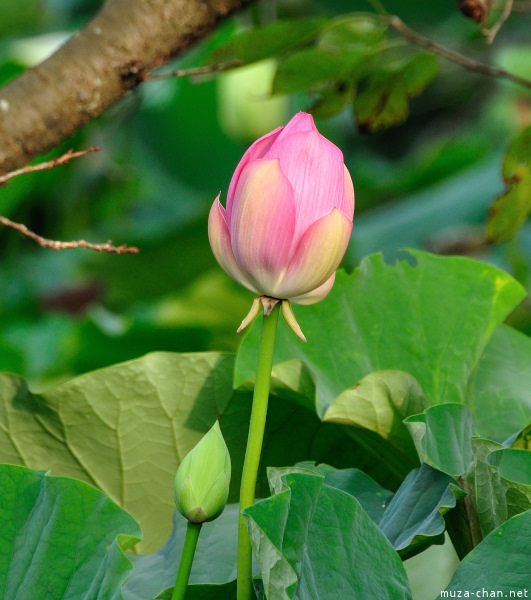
pixel 288 217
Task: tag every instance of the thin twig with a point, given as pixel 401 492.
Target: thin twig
pixel 57 245
pixel 195 71
pixel 491 33
pixel 49 164
pixel 468 63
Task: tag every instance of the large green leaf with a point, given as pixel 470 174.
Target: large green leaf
pixel 498 391
pixel 411 519
pixel 442 437
pixel 125 429
pixel 214 560
pixel 312 66
pixel 373 498
pixel 344 53
pixel 500 564
pixel 269 40
pixel 432 319
pixel 514 464
pixel 332 100
pixel 384 100
pixel 289 411
pixel 382 103
pixel 347 32
pixel 497 479
pixel 313 541
pixel 379 403
pixel 418 72
pixel 499 483
pixel 512 208
pixel 61 538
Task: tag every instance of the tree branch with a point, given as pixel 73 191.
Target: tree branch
pixel 57 245
pixel 54 244
pixel 46 166
pixel 468 63
pixel 95 68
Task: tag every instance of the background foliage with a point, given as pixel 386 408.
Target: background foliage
pixel 171 145
pixel 430 147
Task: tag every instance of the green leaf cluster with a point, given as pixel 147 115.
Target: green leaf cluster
pixel 512 208
pixel 61 538
pixel 394 408
pixel 338 61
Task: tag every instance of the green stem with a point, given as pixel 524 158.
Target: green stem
pixel 254 449
pixel 187 558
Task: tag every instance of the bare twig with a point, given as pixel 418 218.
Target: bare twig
pixel 491 33
pixel 54 244
pixel 57 245
pixel 49 164
pixel 468 63
pixel 194 71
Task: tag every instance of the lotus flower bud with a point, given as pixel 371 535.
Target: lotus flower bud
pixel 288 217
pixel 202 482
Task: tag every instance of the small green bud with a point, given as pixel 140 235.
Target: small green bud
pixel 202 482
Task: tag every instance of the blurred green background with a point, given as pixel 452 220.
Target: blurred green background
pixel 172 145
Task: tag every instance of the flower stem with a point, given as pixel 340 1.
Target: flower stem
pixel 187 558
pixel 254 449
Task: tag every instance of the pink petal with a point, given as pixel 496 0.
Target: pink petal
pixel 314 167
pixel 256 150
pixel 263 220
pixel 218 234
pixel 299 123
pixel 347 206
pixel 316 295
pixel 317 256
